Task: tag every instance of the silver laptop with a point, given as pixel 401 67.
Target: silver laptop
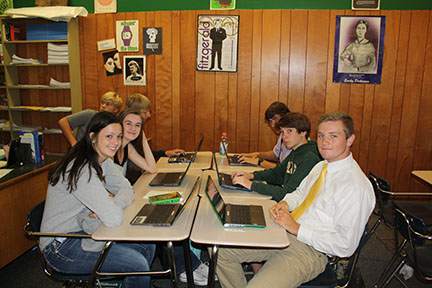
pixel 162 214
pixel 185 158
pixel 233 159
pixel 234 215
pixel 225 180
pixel 173 178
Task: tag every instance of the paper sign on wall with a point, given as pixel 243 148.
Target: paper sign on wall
pixel 105 6
pixel 127 36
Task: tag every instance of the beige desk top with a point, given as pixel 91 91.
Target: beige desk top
pixel 203 161
pixel 207 228
pixel 228 193
pixel 224 166
pixel 425 175
pixel 181 228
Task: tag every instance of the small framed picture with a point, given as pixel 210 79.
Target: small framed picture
pixel 365 4
pixel 134 70
pixel 152 38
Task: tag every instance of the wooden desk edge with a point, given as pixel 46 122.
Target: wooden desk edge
pixel 26 175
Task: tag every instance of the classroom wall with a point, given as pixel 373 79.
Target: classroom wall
pixel 174 5
pixel 284 55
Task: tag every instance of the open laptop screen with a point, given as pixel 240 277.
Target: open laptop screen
pixel 215 197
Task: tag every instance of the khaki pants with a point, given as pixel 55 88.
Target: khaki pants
pixel 288 267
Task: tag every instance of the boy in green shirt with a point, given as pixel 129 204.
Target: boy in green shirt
pixel 287 175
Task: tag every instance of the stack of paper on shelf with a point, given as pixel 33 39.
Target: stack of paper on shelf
pixel 58 53
pixel 55 83
pixel 19 60
pixel 57 109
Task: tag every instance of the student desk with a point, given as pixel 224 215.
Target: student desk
pixel 208 230
pixel 425 175
pixel 223 165
pixel 203 161
pixel 20 191
pixel 179 231
pixel 229 193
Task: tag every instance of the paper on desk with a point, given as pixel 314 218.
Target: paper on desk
pixel 4 172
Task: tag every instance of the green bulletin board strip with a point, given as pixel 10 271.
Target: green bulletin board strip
pixel 174 5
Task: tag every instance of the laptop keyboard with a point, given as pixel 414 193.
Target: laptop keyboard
pixel 171 177
pixel 160 214
pixel 240 214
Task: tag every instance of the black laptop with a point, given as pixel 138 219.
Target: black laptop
pixel 173 178
pixel 225 180
pixel 162 214
pixel 234 215
pixel 186 158
pixel 234 159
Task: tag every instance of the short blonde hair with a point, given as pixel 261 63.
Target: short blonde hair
pixel 114 97
pixel 138 101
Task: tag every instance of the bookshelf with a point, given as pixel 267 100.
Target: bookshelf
pixel 37 93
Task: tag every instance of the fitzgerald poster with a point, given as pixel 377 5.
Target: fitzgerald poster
pixel 217 43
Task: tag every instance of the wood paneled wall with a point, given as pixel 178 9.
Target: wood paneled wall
pixel 284 55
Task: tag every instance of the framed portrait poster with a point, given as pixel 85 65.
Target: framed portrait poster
pixel 217 43
pixel 134 72
pixel 359 49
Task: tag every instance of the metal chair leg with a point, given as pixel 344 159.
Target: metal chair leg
pixel 188 263
pixel 212 269
pixel 99 263
pixel 398 267
pixel 171 262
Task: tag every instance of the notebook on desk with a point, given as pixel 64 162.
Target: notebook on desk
pixel 234 215
pixel 172 178
pixel 233 159
pixel 225 180
pixel 162 214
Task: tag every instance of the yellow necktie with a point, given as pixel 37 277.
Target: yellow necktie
pixel 316 187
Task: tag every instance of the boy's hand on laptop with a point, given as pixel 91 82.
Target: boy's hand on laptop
pixel 249 160
pixel 175 152
pixel 249 176
pixel 242 180
pixel 250 155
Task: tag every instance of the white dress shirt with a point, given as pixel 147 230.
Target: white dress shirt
pixel 335 221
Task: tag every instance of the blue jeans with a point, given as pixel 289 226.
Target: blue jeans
pixel 179 257
pixel 69 257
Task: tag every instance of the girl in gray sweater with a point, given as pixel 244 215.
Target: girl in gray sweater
pixel 86 182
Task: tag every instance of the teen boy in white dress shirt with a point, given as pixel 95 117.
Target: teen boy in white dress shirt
pixel 332 225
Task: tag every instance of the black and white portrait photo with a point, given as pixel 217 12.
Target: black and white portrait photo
pixel 134 70
pixel 359 49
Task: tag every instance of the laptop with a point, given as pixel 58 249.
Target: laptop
pixel 225 180
pixel 186 158
pixel 162 214
pixel 234 215
pixel 234 159
pixel 173 178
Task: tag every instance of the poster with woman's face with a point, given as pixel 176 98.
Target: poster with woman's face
pixel 359 48
pixel 112 63
pixel 134 70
